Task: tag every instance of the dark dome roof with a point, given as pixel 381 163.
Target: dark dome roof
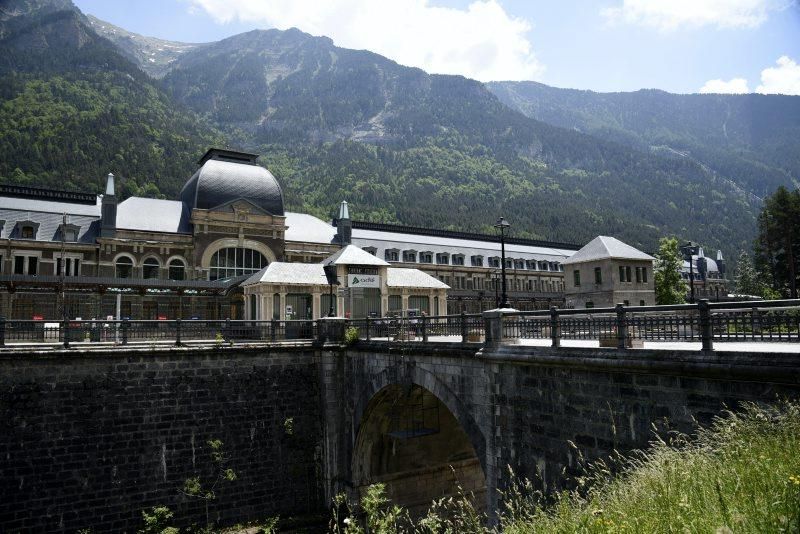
pixel 226 176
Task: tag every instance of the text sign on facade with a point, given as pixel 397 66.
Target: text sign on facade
pixel 363 280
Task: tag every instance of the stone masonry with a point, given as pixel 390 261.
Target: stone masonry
pixel 90 439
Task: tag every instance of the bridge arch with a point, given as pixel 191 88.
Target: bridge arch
pixel 416 436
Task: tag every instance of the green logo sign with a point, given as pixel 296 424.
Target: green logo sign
pixel 355 281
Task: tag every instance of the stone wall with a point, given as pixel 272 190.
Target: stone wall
pixel 538 409
pixel 91 439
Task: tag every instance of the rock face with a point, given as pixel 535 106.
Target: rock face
pixel 153 55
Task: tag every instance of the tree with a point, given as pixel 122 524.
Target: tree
pixel 670 287
pixel 777 247
pixel 748 281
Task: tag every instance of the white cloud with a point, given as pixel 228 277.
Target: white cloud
pixel 669 15
pixel 783 79
pixel 734 86
pixel 481 41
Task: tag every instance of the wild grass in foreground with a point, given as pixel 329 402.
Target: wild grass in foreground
pixel 741 475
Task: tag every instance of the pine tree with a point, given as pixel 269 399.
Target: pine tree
pixel 748 280
pixel 670 287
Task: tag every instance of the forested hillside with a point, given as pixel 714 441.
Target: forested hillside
pixel 73 109
pixel 332 124
pixel 752 139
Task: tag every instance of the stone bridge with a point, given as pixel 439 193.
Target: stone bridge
pixel 91 438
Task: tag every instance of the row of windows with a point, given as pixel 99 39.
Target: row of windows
pixel 151 268
pixel 445 258
pixel 624 275
pixel 516 284
pixel 29 231
pixel 225 263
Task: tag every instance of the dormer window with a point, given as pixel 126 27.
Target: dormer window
pixel 443 258
pixel 530 265
pixel 27 229
pixel 476 261
pixel 69 232
pixel 391 254
pixel 426 257
pixel 371 250
pixel 509 263
pixel 494 261
pixel 519 264
pixel 458 259
pixel 410 256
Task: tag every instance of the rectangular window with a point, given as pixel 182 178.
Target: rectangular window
pixel 392 255
pixel 626 303
pixel 425 257
pixel 443 259
pixel 628 274
pixel 576 275
pixel 458 260
pixel 19 264
pixel 638 275
pixel 644 275
pixel 598 275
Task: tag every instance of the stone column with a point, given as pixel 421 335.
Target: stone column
pixel 316 303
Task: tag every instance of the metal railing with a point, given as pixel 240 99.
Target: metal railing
pixel 621 327
pixel 463 327
pixel 175 331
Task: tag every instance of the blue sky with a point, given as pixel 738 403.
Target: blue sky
pixel 604 45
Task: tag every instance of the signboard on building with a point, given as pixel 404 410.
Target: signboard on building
pixel 363 280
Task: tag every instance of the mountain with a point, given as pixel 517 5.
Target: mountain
pixel 753 140
pixel 153 55
pixel 73 108
pixel 332 124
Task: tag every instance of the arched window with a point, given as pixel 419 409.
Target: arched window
pixel 232 262
pixel 177 270
pixel 124 267
pixel 150 268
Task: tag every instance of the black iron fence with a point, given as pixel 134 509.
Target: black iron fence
pixel 621 327
pixel 174 331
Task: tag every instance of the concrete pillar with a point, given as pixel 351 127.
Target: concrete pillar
pixel 315 304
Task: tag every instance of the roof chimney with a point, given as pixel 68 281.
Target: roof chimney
pixel 108 213
pixel 110 185
pixel 344 227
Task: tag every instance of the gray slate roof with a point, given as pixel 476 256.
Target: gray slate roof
pixel 605 247
pixel 307 228
pixel 290 274
pixel 220 182
pixel 399 277
pixel 49 223
pixel 437 244
pixel 153 215
pixel 352 255
pixel 48 206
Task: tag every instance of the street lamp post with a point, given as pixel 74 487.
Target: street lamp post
pixel 330 274
pixel 502 225
pixel 689 250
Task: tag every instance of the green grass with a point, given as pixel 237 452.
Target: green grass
pixel 740 475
